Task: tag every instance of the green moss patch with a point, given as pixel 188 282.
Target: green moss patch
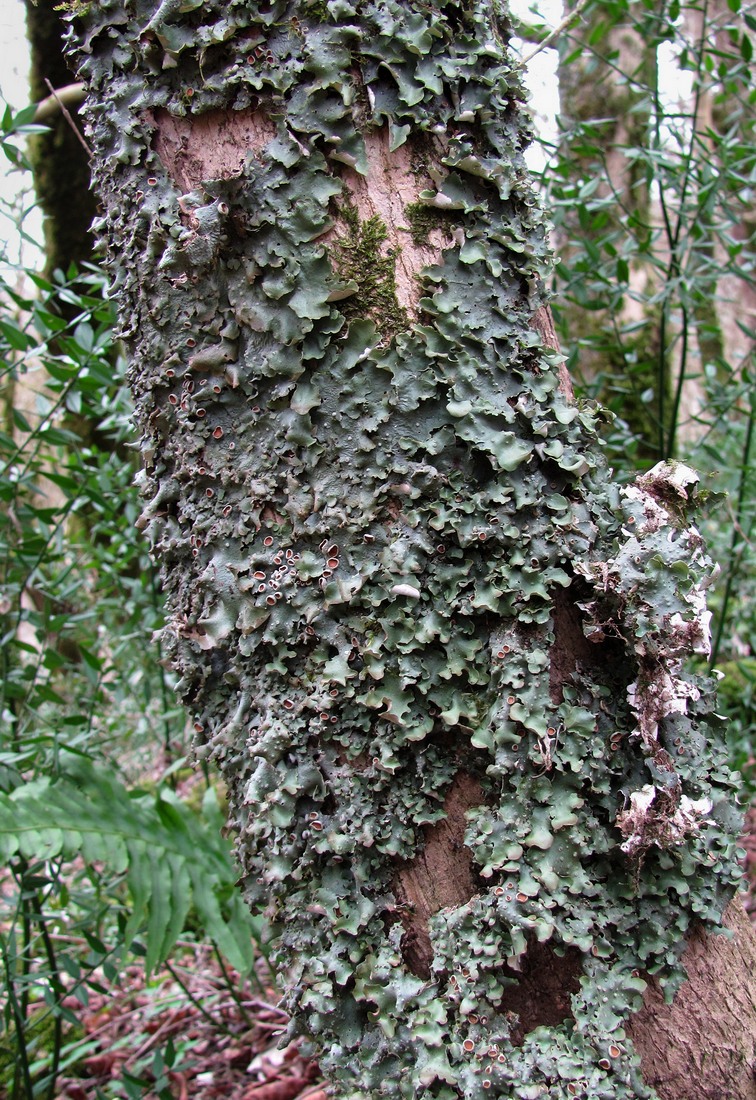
pixel 360 257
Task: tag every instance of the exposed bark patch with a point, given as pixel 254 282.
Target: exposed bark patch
pixel 543 323
pixel 213 145
pixel 545 983
pixel 440 876
pixel 571 647
pixel 392 184
pixel 572 650
pixel 716 1001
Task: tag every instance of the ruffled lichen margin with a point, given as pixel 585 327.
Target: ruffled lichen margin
pixel 404 593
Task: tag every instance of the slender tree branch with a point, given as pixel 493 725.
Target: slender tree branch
pixel 69 96
pixel 68 116
pixel 565 23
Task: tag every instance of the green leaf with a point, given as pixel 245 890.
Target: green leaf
pixel 23 118
pixel 172 859
pixel 20 421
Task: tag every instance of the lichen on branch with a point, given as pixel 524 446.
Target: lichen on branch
pixel 403 600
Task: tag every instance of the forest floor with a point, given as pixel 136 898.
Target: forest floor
pixel 193 1035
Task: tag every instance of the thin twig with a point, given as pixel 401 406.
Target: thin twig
pixel 22 1060
pixel 215 1023
pixel 274 1029
pixel 254 1002
pixel 158 1002
pixel 68 117
pixel 569 18
pixel 71 95
pixel 171 1024
pixel 58 990
pixel 230 986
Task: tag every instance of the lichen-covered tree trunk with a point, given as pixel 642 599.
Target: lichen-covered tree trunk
pixel 436 654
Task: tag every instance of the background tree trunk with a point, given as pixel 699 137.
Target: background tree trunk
pixel 655 284
pixel 436 656
pixel 608 307
pixel 703 1045
pixel 724 127
pixel 60 163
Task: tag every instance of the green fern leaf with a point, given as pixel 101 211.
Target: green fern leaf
pixel 171 858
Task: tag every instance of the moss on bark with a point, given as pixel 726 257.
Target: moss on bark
pixel 360 257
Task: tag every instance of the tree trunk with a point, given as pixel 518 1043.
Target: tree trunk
pixel 725 134
pixel 61 165
pixel 609 312
pixel 436 656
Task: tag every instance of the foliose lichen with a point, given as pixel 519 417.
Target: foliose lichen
pixel 392 554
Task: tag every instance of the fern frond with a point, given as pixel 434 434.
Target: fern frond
pixel 171 858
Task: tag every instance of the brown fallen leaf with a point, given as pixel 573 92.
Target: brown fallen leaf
pixel 285 1088
pixel 101 1065
pixel 73 1091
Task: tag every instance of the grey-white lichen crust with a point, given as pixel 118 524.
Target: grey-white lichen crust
pixel 368 518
